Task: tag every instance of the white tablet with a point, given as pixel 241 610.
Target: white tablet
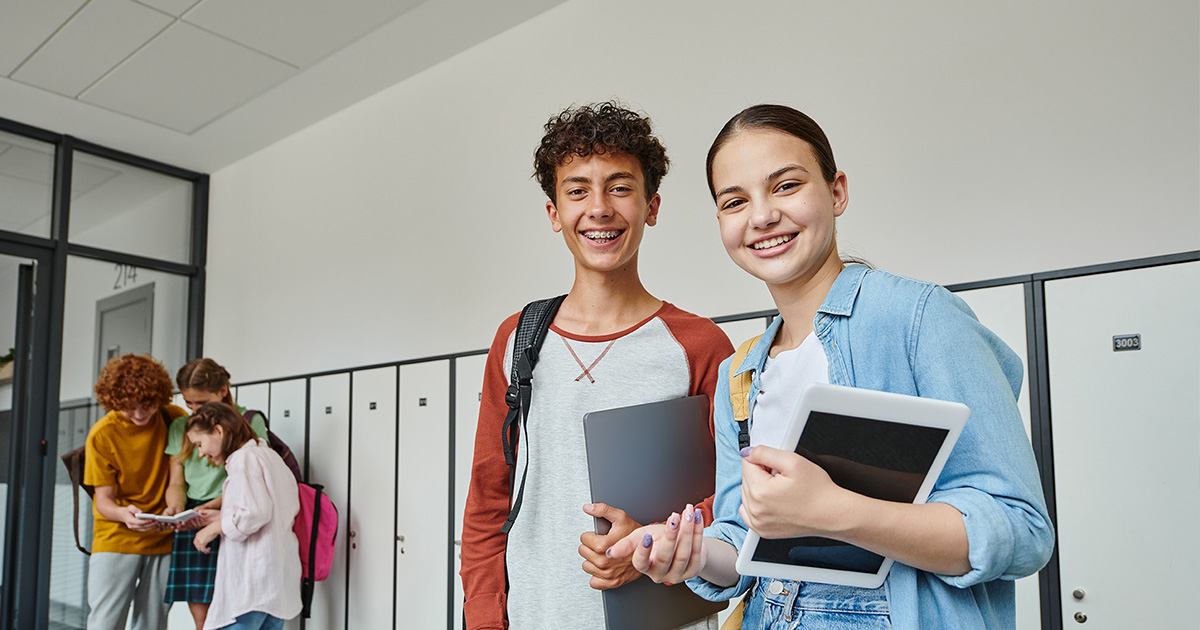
pixel 882 445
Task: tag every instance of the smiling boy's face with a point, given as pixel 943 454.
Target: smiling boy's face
pixel 602 210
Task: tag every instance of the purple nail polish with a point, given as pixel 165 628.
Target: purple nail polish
pixel 746 451
pixel 672 523
pixel 608 552
pixel 699 516
pixel 688 517
pixel 647 539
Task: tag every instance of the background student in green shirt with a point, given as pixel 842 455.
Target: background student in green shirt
pixel 195 483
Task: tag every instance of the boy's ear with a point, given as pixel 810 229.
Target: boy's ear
pixel 552 212
pixel 652 211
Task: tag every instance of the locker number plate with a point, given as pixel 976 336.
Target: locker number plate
pixel 1122 343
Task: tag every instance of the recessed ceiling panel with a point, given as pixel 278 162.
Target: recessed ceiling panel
pixel 186 78
pixel 99 37
pixel 26 175
pixel 300 32
pixel 26 25
pixel 174 7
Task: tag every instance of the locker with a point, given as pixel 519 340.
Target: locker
pixel 1126 422
pixel 1002 309
pixel 371 512
pixel 423 535
pixel 254 397
pixel 329 464
pixel 288 405
pixel 468 387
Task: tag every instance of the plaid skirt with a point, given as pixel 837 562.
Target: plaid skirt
pixel 192 573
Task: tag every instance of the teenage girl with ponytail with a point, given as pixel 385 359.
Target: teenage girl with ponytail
pixel 778 194
pixel 195 483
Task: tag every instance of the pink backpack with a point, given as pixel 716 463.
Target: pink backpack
pixel 316 530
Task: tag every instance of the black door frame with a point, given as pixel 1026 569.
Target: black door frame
pixel 25 596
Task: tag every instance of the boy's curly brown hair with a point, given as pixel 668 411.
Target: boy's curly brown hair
pixel 132 381
pixel 598 129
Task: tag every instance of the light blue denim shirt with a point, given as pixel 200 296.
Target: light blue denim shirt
pixel 888 333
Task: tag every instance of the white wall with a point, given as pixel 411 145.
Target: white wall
pixel 981 140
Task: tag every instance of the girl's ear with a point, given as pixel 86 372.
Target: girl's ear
pixel 840 191
pixel 224 391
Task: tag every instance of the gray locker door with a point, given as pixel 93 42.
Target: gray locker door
pixel 1127 445
pixel 254 397
pixel 468 387
pixel 372 510
pixel 288 404
pixel 1002 310
pixel 422 497
pixel 329 464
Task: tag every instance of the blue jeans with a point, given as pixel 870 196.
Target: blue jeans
pixel 788 605
pixel 255 621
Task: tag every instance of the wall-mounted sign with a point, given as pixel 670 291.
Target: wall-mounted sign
pixel 1122 343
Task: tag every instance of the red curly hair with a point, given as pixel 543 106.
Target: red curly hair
pixel 134 381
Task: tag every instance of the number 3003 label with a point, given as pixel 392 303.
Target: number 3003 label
pixel 1127 342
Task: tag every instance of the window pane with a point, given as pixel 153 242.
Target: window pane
pixel 111 310
pixel 128 209
pixel 26 185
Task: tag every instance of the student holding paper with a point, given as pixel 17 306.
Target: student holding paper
pixel 127 467
pixel 195 483
pixel 778 192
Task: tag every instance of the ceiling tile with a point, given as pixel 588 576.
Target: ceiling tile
pixel 99 37
pixel 27 24
pixel 185 78
pixel 29 164
pixel 300 32
pixel 174 7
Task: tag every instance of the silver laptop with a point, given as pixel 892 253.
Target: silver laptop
pixel 651 460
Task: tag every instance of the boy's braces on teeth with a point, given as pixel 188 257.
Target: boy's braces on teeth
pixel 772 242
pixel 606 235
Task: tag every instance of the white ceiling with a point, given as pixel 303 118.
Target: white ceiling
pixel 203 83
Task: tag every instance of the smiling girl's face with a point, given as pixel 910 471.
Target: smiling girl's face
pixel 776 211
pixel 209 444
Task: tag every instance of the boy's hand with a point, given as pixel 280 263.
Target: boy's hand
pixel 129 516
pixel 607 572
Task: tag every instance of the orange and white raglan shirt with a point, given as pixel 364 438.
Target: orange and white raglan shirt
pixel 532 578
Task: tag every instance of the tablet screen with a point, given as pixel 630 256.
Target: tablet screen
pixel 880 459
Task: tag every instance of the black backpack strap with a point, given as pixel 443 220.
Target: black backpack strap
pixel 531 332
pixel 167 419
pixel 306 584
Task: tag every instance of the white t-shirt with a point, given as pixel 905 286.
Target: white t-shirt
pixel 781 380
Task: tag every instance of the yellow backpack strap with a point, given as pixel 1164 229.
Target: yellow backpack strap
pixel 739 391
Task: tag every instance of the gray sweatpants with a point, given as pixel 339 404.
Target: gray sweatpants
pixel 116 579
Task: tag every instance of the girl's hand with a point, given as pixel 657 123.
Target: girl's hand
pixel 207 535
pixel 129 516
pixel 668 553
pixel 196 522
pixel 785 495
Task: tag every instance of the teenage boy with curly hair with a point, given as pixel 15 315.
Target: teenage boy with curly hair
pixel 611 344
pixel 126 464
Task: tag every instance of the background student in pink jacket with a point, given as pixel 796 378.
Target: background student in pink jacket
pixel 258 569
